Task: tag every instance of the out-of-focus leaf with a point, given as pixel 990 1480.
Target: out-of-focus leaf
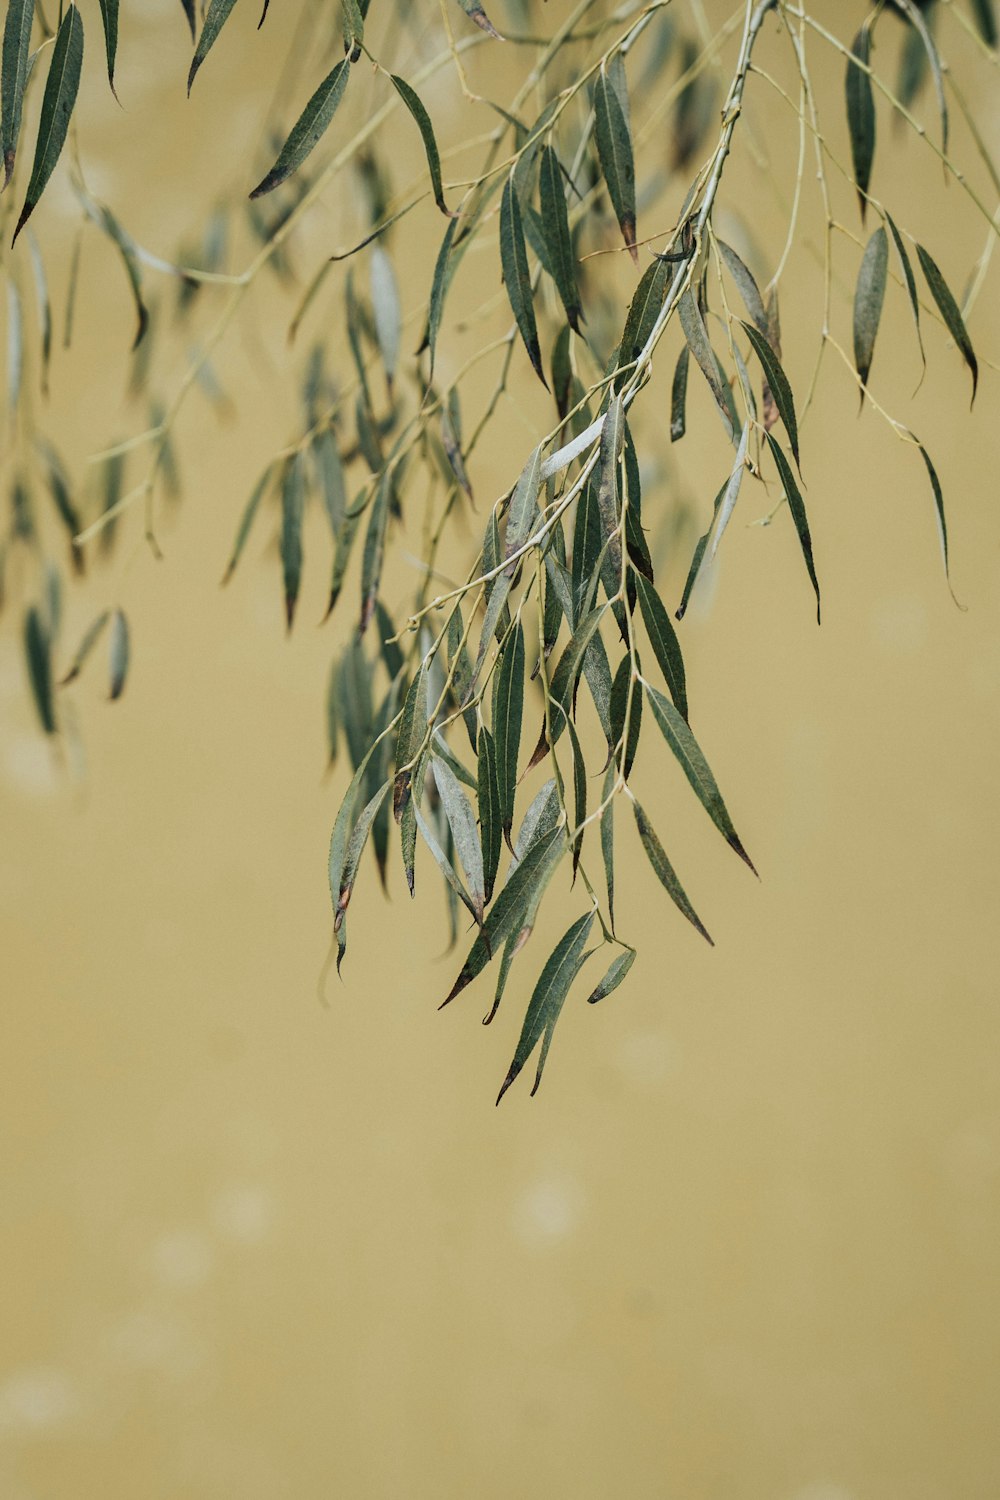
pixel 949 310
pixel 109 15
pixel 663 638
pixel 517 280
pixel 118 653
pixel 189 12
pixel 547 1000
pixel 386 310
pixel 60 490
pixel 797 507
pixel 215 18
pixel 38 655
pixel 558 240
pixel 614 147
pixel 43 307
pixel 15 346
pixel 613 978
pixel 665 871
pixel 869 296
pixel 778 382
pixel 700 345
pixel 308 129
pixel 490 815
pixel 423 122
pixel 246 521
pixel 354 27
pixel 475 12
pixel 696 768
pixel 451 439
pixel 861 113
pixel 523 505
pixel 90 638
pixel 508 708
pixel 678 396
pixel 986 20
pixel 101 215
pixel 462 822
pixel 13 77
pixel 61 87
pixel 937 73
pixel 292 504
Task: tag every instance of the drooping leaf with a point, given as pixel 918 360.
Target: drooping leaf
pixel 608 498
pixel 414 104
pixel 748 288
pixel 517 280
pixel 442 861
pixel 373 555
pixel 217 15
pixel 861 113
pixel 950 311
pixel 613 978
pixel 570 664
pixel 508 709
pixel 911 283
pixel 608 838
pixel 626 702
pixel 246 521
pixel 643 312
pixel 342 827
pixel 986 20
pixel 797 507
pixel 118 653
pixel 523 506
pixel 938 511
pixel 292 504
pixel 308 129
pixel 15 346
pixel 43 307
pixel 587 542
pixel 934 61
pixel 386 311
pixel 547 1000
pixel 38 655
pixel 460 665
pixel 475 12
pixel 355 849
pixel 101 215
pixel 443 272
pixel 869 296
pixel 109 15
pixel 490 815
pixel 13 77
pixel 700 345
pixel 730 494
pixel 354 27
pixel 664 870
pixel 409 740
pixel 90 638
pixel 780 389
pixel 189 12
pixel 678 396
pixel 558 240
pixel 696 768
pixel 462 822
pixel 614 147
pixel 663 638
pixel 58 100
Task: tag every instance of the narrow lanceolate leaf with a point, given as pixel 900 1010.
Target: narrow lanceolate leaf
pixel 911 283
pixel 748 288
pixel 475 12
pixel 778 382
pixel 730 494
pixel 986 20
pixel 490 816
pixel 700 345
pixel 354 28
pixel 386 311
pixel 246 522
pixel 343 824
pixel 57 105
pixel 938 511
pixel 696 768
pixel 514 263
pixel 189 12
pixel 547 1000
pixel 38 654
pixel 558 240
pixel 508 712
pixel 109 15
pixel 409 739
pixel 414 104
pixel 570 664
pixel 643 312
pixel 626 702
pixel 614 147
pixel 525 887
pixel 949 310
pixel 869 296
pixel 797 507
pixel 43 307
pixel 13 76
pixel 125 245
pixel 613 978
pixel 216 17
pixel 608 500
pixel 523 505
pixel 292 503
pixel 355 849
pixel 861 113
pixel 462 822
pixel 579 791
pixel 373 555
pixel 664 870
pixel 443 271
pixel 933 57
pixel 608 838
pixel 663 638
pixel 90 638
pixel 442 861
pixel 678 396
pixel 308 128
pixel 118 653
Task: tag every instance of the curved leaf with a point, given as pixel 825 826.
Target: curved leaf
pixel 949 310
pixel 61 88
pixel 13 77
pixel 613 978
pixel 780 388
pixel 869 296
pixel 514 263
pixel 218 14
pixel 614 147
pixel 664 870
pixel 415 105
pixel 38 654
pixel 666 647
pixel 797 507
pixel 861 113
pixel 558 240
pixel 547 1000
pixel 508 708
pixel 308 128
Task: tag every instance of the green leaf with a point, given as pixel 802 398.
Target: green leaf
pixel 118 653
pixel 101 215
pixel 526 884
pixel 921 28
pixel 354 28
pixel 608 838
pixel 665 871
pixel 613 978
pixel 462 823
pixel 442 861
pixel 308 129
pixel 355 849
pixel 797 507
pixel 614 147
pixel 374 550
pixel 986 20
pixel 678 396
pixel 696 768
pixel 938 510
pixel 490 815
pixel 730 494
pixel 386 311
pixel 869 296
pixel 409 740
pixel 43 307
pixel 861 113
pixel 508 709
pixel 626 698
pixel 474 10
pixel 587 543
pixel 748 288
pixel 514 263
pixel 217 16
pixel 423 121
pixel 246 521
pixel 780 388
pixel 558 240
pixel 523 506
pixel 61 87
pixel 663 638
pixel 189 12
pixel 949 310
pixel 547 1000
pixel 13 77
pixel 38 654
pixel 342 826
pixel 579 791
pixel 699 552
pixel 109 15
pixel 292 503
pixel 608 499
pixel 700 345
pixel 90 638
pixel 643 312
pixel 911 284
pixel 461 667
pixel 570 664
pixel 443 272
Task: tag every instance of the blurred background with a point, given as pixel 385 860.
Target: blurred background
pixel 743 1243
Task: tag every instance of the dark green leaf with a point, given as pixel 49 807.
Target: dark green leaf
pixel 938 510
pixel 386 311
pixel 374 551
pixel 748 288
pixel 986 20
pixel 778 383
pixel 911 284
pixel 508 709
pixel 861 113
pixel 608 838
pixel 102 216
pixel 61 87
pixel 700 345
pixel 614 147
pixel 514 263
pixel 423 122
pixel 354 28
pixel 189 12
pixel 613 978
pixel 869 296
pixel 626 701
pixel 608 498
pixel 797 507
pixel 409 740
pixel 559 243
pixel 570 664
pixel 342 827
pixel 216 17
pixel 462 822
pixel 355 849
pixel 665 870
pixel 523 506
pixel 443 272
pixel 490 816
pixel 643 312
pixel 547 1000
pixel 13 77
pixel 579 791
pixel 292 503
pixel 109 15
pixel 663 638
pixel 87 644
pixel 118 653
pixel 308 128
pixel 38 654
pixel 678 396
pixel 949 310
pixel 921 28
